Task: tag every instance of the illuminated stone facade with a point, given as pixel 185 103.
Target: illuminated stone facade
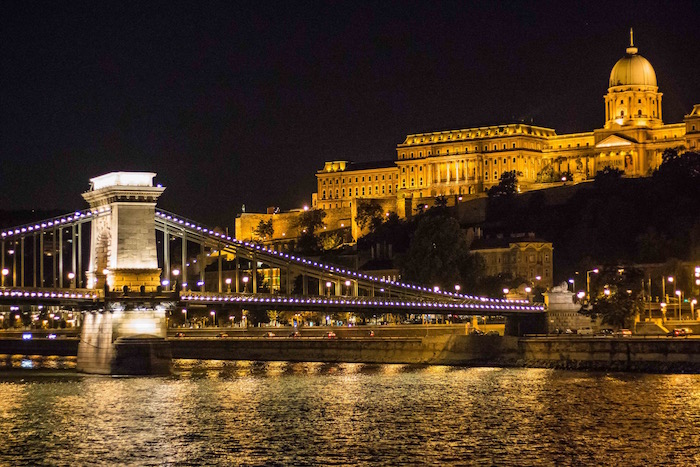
pixel 526 257
pixel 123 247
pixel 466 162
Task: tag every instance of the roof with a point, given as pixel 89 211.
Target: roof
pixel 371 165
pixel 502 242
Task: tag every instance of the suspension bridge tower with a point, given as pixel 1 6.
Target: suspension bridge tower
pixel 128 335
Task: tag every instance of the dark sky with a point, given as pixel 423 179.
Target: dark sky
pixel 238 102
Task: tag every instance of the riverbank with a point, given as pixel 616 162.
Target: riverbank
pixel 637 354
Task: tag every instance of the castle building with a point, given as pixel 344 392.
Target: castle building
pixel 467 162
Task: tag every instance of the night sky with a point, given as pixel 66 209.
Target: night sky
pixel 240 103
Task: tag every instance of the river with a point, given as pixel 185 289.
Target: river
pixel 252 413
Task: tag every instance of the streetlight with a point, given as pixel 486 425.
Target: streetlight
pixel 663 287
pixel 606 292
pixel 328 287
pixel 228 284
pixel 71 277
pixel 436 289
pixel 663 310
pixel 184 312
pixel 588 281
pixel 245 284
pixel 175 273
pixel 506 290
pixel 679 293
pixel 457 288
pixel 5 272
pixel 213 317
pixel 693 302
pixel 573 286
pixel 165 283
pixel 347 285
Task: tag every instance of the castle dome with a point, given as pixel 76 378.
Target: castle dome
pixel 632 69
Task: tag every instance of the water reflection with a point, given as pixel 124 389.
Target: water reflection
pixel 267 413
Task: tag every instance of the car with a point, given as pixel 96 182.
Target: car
pixel 623 333
pixel 477 332
pixel 295 334
pixel 180 334
pixel 269 334
pixel 605 332
pixel 329 335
pixel 680 332
pixel 222 334
pixel 370 334
pixel 587 331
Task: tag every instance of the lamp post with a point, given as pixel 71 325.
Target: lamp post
pixel 573 285
pixel 328 288
pixel 213 318
pixel 458 288
pixel 663 286
pixel 184 312
pixel 588 281
pixel 176 274
pixel 680 295
pixel 347 287
pixel 228 284
pixel 663 311
pixel 693 302
pixel 71 278
pixel 245 284
pixel 5 272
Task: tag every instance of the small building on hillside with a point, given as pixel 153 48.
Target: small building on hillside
pixel 519 255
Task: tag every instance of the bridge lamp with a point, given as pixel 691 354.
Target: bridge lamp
pixel 165 283
pixel 5 272
pixel 228 284
pixel 573 287
pixel 506 290
pixel 457 288
pixel 328 287
pixel 436 289
pixel 245 284
pixel 693 302
pixel 679 293
pixel 71 277
pixel 176 272
pixel 213 317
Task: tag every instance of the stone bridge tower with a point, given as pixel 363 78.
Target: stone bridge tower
pixel 123 241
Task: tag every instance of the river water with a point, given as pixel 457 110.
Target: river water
pixel 252 413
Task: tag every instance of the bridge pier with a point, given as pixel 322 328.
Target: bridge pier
pixel 124 342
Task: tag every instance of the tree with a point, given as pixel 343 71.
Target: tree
pixel 620 298
pixel 264 230
pixel 369 214
pixel 608 175
pixel 546 174
pixel 438 254
pixel 308 223
pixel 507 185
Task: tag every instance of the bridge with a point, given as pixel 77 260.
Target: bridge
pixel 124 254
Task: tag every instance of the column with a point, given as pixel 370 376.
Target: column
pixel 166 254
pixel 221 275
pixel 74 260
pixel 236 274
pixel 60 258
pixel 183 267
pixel 41 257
pixel 21 261
pixel 254 279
